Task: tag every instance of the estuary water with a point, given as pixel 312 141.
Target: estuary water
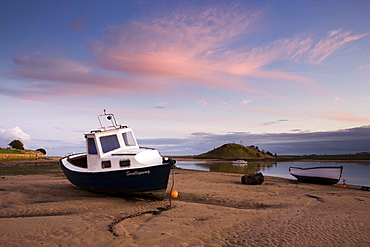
pixel 353 173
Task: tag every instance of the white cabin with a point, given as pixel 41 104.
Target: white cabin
pixel 115 148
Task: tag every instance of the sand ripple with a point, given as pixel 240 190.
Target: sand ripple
pixel 213 209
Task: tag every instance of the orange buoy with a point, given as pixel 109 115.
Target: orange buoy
pixel 343 185
pixel 174 194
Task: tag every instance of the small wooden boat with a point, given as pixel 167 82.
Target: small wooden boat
pixel 114 163
pixel 320 175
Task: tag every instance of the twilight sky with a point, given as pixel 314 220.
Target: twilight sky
pixel 291 77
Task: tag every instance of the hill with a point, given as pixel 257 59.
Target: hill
pixel 235 151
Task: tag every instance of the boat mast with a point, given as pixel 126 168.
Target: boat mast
pixel 110 117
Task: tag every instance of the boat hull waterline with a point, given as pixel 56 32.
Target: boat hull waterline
pixel 115 163
pixel 320 175
pixel 146 181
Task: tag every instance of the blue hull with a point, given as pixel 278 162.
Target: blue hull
pixel 147 182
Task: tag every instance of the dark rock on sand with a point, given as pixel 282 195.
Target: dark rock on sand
pixel 255 179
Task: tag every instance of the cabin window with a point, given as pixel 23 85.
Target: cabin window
pixel 91 147
pixel 105 164
pixel 124 163
pixel 109 143
pixel 129 139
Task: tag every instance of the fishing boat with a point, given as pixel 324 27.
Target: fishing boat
pixel 320 175
pixel 114 163
pixel 240 162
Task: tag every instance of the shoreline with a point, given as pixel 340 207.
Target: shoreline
pixel 213 208
pixel 279 160
pixel 365 161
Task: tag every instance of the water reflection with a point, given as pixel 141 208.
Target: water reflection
pixel 228 167
pixel 250 168
pixel 354 173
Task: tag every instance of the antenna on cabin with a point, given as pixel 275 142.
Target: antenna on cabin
pixel 110 117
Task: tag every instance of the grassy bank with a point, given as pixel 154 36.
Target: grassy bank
pixel 18 154
pixel 30 168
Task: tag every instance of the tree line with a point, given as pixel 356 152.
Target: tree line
pixel 18 144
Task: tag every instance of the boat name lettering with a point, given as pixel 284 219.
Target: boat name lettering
pixel 137 173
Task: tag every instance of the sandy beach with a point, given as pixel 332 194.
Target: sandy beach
pixel 213 209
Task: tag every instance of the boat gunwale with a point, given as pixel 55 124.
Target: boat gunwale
pixel 317 179
pixel 316 167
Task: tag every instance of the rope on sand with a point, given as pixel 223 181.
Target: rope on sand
pixel 173 184
pixel 152 212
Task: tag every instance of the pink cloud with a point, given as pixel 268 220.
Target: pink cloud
pixel 202 102
pixel 335 39
pixel 366 66
pixel 53 77
pixel 26 63
pixel 194 48
pixel 340 116
pixel 247 62
pixel 180 46
pixel 245 101
pixel 336 100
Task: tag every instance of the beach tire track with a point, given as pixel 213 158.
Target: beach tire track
pixel 24 214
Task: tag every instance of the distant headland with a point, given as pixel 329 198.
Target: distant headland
pixel 232 151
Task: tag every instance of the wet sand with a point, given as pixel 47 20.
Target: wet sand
pixel 213 209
